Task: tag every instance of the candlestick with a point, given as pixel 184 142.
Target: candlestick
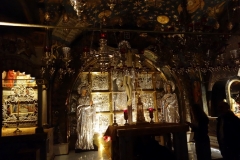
pixel 114 115
pixel 125 112
pixel 151 114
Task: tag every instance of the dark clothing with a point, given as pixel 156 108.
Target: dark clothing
pixel 147 148
pixel 228 136
pixel 201 138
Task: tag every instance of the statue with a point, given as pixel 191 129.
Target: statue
pixel 128 65
pixel 85 120
pixel 127 83
pixel 170 104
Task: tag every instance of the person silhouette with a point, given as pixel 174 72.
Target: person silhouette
pixel 228 130
pixel 199 126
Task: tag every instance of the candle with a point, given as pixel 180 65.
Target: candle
pixel 103 35
pixel 151 112
pixel 125 114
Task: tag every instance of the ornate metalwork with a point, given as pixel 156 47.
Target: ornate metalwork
pixel 100 81
pixel 145 80
pixel 119 118
pixel 101 102
pixel 120 100
pixel 102 122
pixel 147 100
pixel 20 105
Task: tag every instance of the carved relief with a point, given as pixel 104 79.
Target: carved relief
pixel 100 81
pixel 101 102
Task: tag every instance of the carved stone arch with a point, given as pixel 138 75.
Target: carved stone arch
pixel 216 76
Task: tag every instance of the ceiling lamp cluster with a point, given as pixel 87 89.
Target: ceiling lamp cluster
pixel 78 6
pixel 112 4
pixel 112 59
pixel 103 56
pixel 51 56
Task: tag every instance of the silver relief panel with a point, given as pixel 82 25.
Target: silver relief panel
pixel 145 81
pixel 120 100
pixel 100 81
pixel 120 118
pixel 147 100
pixel 101 102
pixel 159 96
pixel 102 122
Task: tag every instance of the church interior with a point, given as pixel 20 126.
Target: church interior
pixel 95 74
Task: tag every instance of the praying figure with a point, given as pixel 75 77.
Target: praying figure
pixel 85 113
pixel 170 104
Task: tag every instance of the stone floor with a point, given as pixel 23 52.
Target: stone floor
pixel 95 155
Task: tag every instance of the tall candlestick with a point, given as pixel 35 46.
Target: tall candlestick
pixel 18 110
pixel 114 105
pixel 114 115
pixel 150 110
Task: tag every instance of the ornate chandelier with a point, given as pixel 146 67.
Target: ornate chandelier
pixel 49 60
pixel 78 6
pixel 103 56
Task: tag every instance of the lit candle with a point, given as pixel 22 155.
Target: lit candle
pixel 125 114
pixel 103 35
pixel 151 112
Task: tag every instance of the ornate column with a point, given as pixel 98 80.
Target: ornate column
pixel 49 102
pixel 44 106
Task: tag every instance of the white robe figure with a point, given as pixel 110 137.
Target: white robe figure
pixel 170 104
pixel 85 122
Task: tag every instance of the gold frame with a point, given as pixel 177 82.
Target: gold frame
pixel 228 89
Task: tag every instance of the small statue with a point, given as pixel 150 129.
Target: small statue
pixel 85 120
pixel 170 104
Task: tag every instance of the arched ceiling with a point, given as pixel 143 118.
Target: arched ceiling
pixel 144 15
pixel 166 27
pixel 140 15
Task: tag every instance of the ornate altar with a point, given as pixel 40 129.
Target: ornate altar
pixel 19 101
pixel 117 78
pixel 110 99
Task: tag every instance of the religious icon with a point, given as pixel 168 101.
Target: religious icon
pixel 85 115
pixel 170 103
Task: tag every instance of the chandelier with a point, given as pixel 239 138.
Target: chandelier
pixel 78 6
pixel 103 55
pixel 49 60
pixel 112 60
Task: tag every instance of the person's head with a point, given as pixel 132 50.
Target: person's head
pixel 84 90
pixel 223 107
pixel 169 88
